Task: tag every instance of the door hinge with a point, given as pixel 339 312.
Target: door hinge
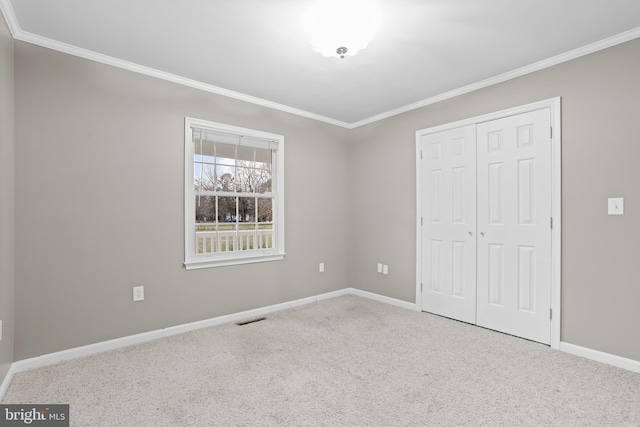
pixel 420 154
pixel 421 221
pixel 550 314
pixel 551 222
pixel 551 133
pixel 420 287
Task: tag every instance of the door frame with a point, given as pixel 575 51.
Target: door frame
pixel 554 104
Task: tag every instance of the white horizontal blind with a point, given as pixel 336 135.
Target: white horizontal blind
pixel 214 135
pixel 233 194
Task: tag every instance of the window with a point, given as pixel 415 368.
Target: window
pixel 234 198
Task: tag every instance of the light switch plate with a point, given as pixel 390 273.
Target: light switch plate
pixel 616 206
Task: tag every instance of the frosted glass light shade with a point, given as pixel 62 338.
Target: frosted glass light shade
pixel 333 24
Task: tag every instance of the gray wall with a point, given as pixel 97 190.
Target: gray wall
pixel 98 197
pixel 99 201
pixel 600 148
pixel 6 197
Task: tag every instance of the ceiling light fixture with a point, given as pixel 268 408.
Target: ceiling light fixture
pixel 341 27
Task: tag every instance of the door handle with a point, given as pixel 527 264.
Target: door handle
pixel 482 233
pixel 470 234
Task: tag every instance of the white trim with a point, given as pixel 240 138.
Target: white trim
pixel 152 72
pixel 384 299
pixel 246 259
pixel 74 353
pixel 556 214
pixel 19 34
pixel 7 380
pixel 10 17
pixel 87 350
pixel 277 252
pixel 419 220
pixel 556 186
pixel 546 103
pixel 509 75
pixel 191 122
pixel 599 356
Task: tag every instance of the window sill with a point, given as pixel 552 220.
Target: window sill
pixel 210 263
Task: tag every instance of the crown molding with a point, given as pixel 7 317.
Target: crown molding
pixel 9 17
pixel 141 69
pixel 18 34
pixel 537 66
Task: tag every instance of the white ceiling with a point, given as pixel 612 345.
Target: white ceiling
pixel 258 50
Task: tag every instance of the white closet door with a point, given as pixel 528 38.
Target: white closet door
pixel 449 223
pixel 514 214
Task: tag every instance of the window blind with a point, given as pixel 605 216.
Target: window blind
pixel 214 135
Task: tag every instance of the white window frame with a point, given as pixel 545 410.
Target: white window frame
pixel 276 252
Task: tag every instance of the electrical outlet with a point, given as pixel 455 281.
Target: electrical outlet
pixel 138 293
pixel 321 267
pixel 616 206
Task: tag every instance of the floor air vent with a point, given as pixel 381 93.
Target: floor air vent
pixel 246 322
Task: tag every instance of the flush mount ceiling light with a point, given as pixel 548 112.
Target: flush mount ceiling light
pixel 341 27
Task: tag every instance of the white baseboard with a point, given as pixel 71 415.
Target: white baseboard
pixel 7 380
pixel 74 353
pixel 599 356
pixel 87 350
pixel 381 298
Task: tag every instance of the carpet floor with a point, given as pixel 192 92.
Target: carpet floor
pixel 347 361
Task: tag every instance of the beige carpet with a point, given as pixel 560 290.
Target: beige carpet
pixel 347 361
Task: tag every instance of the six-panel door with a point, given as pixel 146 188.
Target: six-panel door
pixel 486 236
pixel 449 223
pixel 514 214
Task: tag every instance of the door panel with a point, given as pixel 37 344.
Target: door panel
pixel 449 223
pixel 514 212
